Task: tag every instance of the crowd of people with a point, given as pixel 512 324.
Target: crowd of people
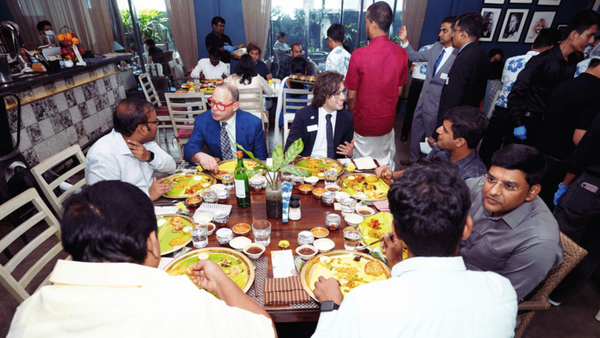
pixel 486 228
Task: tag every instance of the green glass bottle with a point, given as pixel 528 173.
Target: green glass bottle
pixel 242 187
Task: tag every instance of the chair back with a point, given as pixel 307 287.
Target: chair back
pixel 148 89
pixel 155 69
pixel 251 100
pixel 183 109
pixel 17 288
pixel 167 56
pixel 538 298
pixel 177 73
pixel 294 104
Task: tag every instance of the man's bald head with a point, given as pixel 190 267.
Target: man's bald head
pixel 232 89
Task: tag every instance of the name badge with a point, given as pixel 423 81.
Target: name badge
pixel 314 127
pixel 443 76
pixel 447 80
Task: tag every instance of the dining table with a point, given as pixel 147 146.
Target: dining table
pixel 313 213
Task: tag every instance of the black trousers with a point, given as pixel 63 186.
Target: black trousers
pixel 494 135
pixel 414 91
pixel 555 174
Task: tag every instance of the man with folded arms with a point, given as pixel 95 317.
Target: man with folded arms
pixel 129 153
pixel 112 287
pixel 430 294
pixel 514 232
pixel 220 128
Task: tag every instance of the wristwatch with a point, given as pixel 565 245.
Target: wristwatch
pixel 151 158
pixel 329 305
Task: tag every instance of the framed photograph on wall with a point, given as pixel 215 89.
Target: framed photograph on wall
pixel 521 1
pixel 514 20
pixel 539 21
pixel 491 17
pixel 562 28
pixel 548 2
pixel 493 2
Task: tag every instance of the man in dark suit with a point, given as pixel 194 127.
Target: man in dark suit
pixel 221 127
pixel 325 125
pixel 467 80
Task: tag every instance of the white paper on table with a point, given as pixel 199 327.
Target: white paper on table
pixel 283 263
pixel 365 163
pixel 165 210
pixel 345 161
pixel 425 148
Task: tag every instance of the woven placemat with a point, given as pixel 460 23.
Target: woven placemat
pixel 163 201
pixel 312 304
pixel 257 290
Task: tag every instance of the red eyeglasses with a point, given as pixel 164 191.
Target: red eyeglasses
pixel 219 106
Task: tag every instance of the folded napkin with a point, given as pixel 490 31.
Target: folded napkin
pixel 284 291
pixel 365 163
pixel 383 205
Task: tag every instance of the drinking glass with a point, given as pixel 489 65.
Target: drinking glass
pixel 262 232
pixel 348 205
pixel 200 235
pixel 330 176
pixel 210 196
pixel 351 238
pixel 227 179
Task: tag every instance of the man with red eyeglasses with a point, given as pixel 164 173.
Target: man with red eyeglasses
pixel 220 128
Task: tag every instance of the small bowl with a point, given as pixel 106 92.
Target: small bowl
pixel 353 220
pixel 305 189
pixel 324 244
pixel 333 188
pixel 365 211
pixel 218 186
pixel 241 229
pixel 312 180
pixel 239 243
pixel 319 232
pixel 318 192
pixel 306 256
pixel 194 201
pixel 211 228
pixel 254 255
pixel 340 195
pixel 206 218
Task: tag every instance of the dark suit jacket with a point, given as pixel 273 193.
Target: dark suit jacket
pixel 467 80
pixel 248 133
pixel 343 130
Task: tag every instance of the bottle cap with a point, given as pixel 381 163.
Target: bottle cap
pixel 294 204
pixel 240 153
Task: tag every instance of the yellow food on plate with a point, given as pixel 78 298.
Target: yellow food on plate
pixel 178 271
pixel 178 241
pixel 374 268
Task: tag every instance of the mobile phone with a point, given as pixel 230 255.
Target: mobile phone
pixel 589 187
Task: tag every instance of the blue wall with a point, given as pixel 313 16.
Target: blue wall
pixel 230 10
pixel 437 10
pixel 5 12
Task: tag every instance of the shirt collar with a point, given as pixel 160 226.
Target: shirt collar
pixel 466 159
pixel 449 50
pixel 515 217
pixel 231 121
pixel 532 53
pixel 121 144
pixel 455 263
pixel 104 274
pixel 381 38
pixel 323 112
pixel 463 47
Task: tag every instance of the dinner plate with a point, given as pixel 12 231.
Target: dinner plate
pixel 370 185
pixel 166 236
pixel 230 165
pixel 343 268
pixel 316 165
pixel 244 279
pixel 372 227
pixel 187 185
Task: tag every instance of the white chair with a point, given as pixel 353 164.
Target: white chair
pixel 183 109
pixel 162 112
pixel 288 104
pixel 17 287
pixel 177 73
pixel 155 69
pixel 251 100
pixel 48 188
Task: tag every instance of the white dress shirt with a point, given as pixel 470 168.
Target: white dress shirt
pixel 110 159
pixel 426 297
pixel 447 53
pixel 320 146
pixel 129 300
pixel 210 72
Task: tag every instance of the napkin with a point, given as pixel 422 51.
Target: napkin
pixel 383 205
pixel 165 210
pixel 283 291
pixel 365 163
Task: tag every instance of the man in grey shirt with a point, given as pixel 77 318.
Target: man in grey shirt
pixel 514 232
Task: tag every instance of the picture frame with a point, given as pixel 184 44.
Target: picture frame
pixel 521 1
pixel 489 28
pixel 514 21
pixel 493 2
pixel 539 21
pixel 548 2
pixel 562 28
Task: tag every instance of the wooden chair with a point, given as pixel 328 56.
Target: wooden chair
pixel 167 56
pixel 178 77
pixel 17 287
pixel 162 112
pixel 251 100
pixel 49 188
pixel 288 118
pixel 537 299
pixel 183 109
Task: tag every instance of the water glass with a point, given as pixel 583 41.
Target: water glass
pixel 200 235
pixel 210 196
pixel 330 176
pixel 220 218
pixel 352 238
pixel 227 180
pixel 222 195
pixel 333 221
pixel 306 238
pixel 348 206
pixel 328 198
pixel 257 183
pixel 224 235
pixel 262 232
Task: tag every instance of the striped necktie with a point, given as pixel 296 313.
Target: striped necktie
pixel 225 143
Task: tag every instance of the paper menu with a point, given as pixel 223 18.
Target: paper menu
pixel 283 263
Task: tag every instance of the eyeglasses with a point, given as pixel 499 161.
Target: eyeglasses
pixel 343 91
pixel 506 185
pixel 155 122
pixel 219 106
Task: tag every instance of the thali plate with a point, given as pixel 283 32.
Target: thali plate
pixel 374 188
pixel 368 228
pixel 172 241
pixel 354 276
pixel 187 185
pixel 230 165
pixel 317 165
pixel 244 279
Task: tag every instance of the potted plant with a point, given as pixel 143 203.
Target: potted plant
pixel 273 173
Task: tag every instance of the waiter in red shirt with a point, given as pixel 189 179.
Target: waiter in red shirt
pixel 375 78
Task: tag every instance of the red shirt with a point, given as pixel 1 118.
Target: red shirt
pixel 376 71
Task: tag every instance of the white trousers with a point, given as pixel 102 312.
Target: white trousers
pixel 381 148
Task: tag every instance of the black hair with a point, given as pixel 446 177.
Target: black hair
pixel 42 24
pixel 246 69
pixel 217 20
pixel 583 20
pixel 450 19
pixel 471 23
pixel 468 123
pixel 214 51
pixel 336 32
pixel 150 42
pixel 298 65
pixel 496 68
pixel 381 13
pixel 521 157
pixel 108 221
pixel 430 205
pixel 130 113
pixel 594 62
pixel 547 37
pixel 296 44
pixel 281 35
pixel 495 51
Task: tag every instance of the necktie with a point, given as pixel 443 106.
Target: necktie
pixel 439 60
pixel 225 143
pixel 330 150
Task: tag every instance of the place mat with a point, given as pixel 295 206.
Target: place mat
pixel 257 290
pixel 311 303
pixel 162 201
pixel 382 205
pixel 283 291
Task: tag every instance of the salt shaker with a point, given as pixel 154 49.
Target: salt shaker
pixel 294 213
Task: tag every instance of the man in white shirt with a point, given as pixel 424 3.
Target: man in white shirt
pixel 211 68
pixel 430 294
pixel 112 287
pixel 129 153
pixel 339 58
